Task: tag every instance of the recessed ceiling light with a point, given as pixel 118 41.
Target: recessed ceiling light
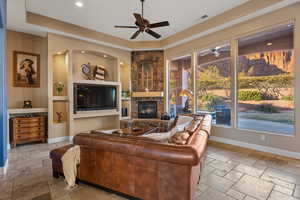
pixel 82 51
pixel 104 56
pixel 59 53
pixel 269 44
pixel 79 4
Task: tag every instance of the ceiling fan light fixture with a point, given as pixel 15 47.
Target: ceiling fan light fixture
pixel 143 25
pixel 204 16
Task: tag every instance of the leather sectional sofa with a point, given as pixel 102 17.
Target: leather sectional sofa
pixel 140 168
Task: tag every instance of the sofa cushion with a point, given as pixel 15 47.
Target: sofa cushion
pixel 160 137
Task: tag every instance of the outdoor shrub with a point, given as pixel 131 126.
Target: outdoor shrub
pixel 267 108
pixel 287 98
pixel 250 95
pixel 282 81
pixel 210 100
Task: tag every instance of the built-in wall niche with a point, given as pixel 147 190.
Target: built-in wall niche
pixel 109 63
pixel 60 125
pixel 60 112
pixel 125 77
pixel 60 74
pixel 126 108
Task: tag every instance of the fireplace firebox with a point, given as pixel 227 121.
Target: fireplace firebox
pixel 147 109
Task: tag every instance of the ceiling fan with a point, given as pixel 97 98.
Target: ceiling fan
pixel 215 51
pixel 144 25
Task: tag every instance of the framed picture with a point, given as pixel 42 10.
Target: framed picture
pixel 26 69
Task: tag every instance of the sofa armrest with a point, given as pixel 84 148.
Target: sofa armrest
pixel 177 154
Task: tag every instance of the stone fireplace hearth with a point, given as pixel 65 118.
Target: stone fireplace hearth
pixel 147 109
pixel 147 74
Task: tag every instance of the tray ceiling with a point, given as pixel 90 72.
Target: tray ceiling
pixel 102 15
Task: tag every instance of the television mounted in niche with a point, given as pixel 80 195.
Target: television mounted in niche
pixel 89 97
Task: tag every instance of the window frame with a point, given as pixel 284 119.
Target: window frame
pixel 168 77
pixel 196 52
pixel 233 42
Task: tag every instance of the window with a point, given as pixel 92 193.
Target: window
pixel 180 86
pixel 266 81
pixel 213 83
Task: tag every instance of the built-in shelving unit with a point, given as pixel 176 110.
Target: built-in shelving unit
pixel 89 114
pixel 90 120
pixel 59 122
pixel 66 68
pixel 60 98
pixel 97 82
pixel 125 70
pixel 27 110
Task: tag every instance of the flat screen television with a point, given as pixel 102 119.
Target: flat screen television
pixel 88 97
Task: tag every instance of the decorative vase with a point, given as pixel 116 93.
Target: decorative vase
pixel 59 117
pixel 59 86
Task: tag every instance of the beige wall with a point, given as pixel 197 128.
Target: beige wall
pixel 17 41
pixel 281 16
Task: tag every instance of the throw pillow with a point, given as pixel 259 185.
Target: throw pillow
pixel 193 126
pixel 180 138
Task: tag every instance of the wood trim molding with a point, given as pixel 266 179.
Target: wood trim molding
pixel 148 94
pixel 243 10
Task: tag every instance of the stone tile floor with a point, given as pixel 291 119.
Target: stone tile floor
pixel 230 173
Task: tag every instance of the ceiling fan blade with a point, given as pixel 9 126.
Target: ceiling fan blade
pixel 152 33
pixel 159 24
pixel 138 18
pixel 126 27
pixel 204 53
pixel 135 34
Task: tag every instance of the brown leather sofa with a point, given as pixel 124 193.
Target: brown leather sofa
pixel 140 168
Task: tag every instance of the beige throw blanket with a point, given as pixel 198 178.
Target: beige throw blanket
pixel 70 160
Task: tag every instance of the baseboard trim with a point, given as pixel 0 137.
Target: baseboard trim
pixel 272 150
pixel 3 170
pixel 58 139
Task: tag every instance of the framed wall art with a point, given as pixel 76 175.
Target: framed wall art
pixel 26 71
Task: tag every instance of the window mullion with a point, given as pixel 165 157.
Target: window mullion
pixel 234 82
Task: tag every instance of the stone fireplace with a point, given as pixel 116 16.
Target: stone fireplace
pixel 147 76
pixel 147 109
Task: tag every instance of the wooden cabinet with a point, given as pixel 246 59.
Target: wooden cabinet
pixel 28 129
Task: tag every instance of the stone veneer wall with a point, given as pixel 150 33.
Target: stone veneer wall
pixel 157 60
